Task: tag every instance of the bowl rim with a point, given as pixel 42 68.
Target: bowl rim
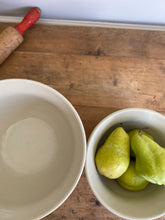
pixel 82 129
pixel 93 133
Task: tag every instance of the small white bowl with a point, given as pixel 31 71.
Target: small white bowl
pixel 145 204
pixel 35 182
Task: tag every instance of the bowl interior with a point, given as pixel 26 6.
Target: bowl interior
pixel 145 204
pixel 34 194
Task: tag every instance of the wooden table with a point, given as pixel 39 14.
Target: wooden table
pixel 99 70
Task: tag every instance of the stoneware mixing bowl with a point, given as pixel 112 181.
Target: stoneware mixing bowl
pixel 42 150
pixel 145 204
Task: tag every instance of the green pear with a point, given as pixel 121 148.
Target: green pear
pixel 112 158
pixel 150 158
pixel 132 133
pixel 131 180
pixel 136 131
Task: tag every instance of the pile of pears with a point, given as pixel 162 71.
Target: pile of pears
pixel 134 159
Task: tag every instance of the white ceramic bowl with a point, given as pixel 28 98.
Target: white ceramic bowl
pixel 34 182
pixel 145 204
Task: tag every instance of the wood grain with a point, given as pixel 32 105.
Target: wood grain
pixel 99 70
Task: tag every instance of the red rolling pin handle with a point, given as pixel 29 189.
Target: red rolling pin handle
pixel 29 20
pixel 11 37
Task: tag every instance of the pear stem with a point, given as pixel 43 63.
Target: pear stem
pixel 140 132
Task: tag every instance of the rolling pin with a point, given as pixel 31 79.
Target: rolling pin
pixel 12 37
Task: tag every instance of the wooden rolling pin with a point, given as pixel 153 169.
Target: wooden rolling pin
pixel 12 37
